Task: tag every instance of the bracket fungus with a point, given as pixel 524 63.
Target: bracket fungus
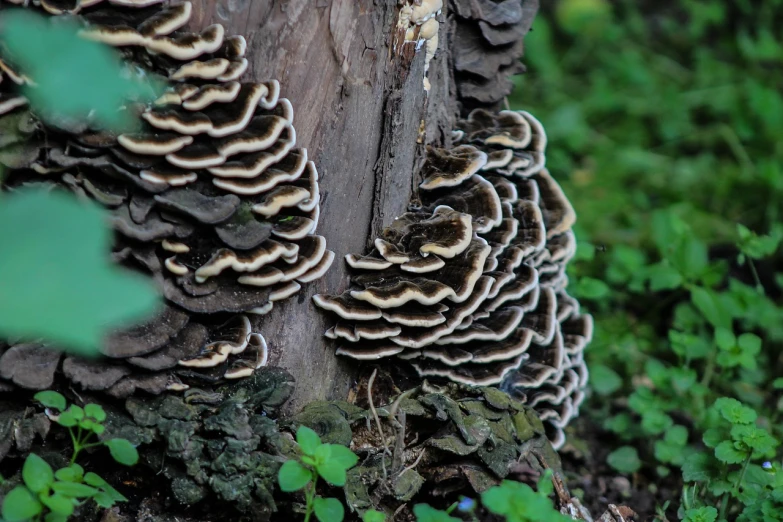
pixel 210 197
pixel 487 45
pixel 470 286
pixel 418 23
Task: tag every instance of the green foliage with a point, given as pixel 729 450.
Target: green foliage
pixel 74 78
pixel 426 513
pixel 56 278
pixel 664 126
pixel 514 501
pixel 58 493
pixel 328 461
pixel 625 459
pixel 372 515
pixel 85 426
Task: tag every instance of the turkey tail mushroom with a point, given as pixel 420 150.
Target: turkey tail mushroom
pixel 470 288
pixel 210 197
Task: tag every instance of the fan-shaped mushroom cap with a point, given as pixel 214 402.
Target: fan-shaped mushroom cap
pixel 486 47
pixel 448 168
pixel 210 198
pixel 512 324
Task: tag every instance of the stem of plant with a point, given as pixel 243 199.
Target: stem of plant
pixel 310 497
pixel 76 446
pixel 724 504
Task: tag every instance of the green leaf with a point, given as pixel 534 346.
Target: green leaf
pixel 56 278
pixel 733 411
pixel 714 436
pixel 51 399
pixel 67 419
pixel 545 485
pixel 95 411
pixel 293 476
pixel 373 516
pixel 342 456
pixel 663 276
pixel 425 513
pixel 727 453
pixel 332 472
pixel 104 500
pixel 590 288
pixel 328 509
pixel 655 421
pixel 74 489
pixel 37 473
pixel 677 435
pixel 604 380
pixel 749 343
pixel 757 439
pixel 725 339
pixel 74 77
pixel 699 467
pixel 625 460
pixel 76 411
pixel 55 517
pixel 59 503
pixel 701 514
pixel 72 473
pixel 123 451
pixel 96 481
pixel 20 505
pixel 308 440
pixel 711 308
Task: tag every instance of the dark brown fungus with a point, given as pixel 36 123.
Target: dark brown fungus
pixel 210 198
pixel 486 47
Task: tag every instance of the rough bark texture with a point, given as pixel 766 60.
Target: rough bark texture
pixel 358 108
pixel 359 102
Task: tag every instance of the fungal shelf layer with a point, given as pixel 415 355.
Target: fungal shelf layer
pixel 470 286
pixel 210 197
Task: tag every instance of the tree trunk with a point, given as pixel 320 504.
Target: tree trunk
pixel 358 106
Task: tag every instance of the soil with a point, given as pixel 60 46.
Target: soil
pixel 597 484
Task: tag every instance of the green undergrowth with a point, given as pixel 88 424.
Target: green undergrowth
pixel 663 121
pixel 53 496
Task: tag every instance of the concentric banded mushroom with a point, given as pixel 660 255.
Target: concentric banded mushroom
pixel 471 287
pixel 210 197
pixel 487 45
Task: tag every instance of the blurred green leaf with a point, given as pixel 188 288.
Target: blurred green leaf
pixel 625 459
pixel 74 78
pixel 56 277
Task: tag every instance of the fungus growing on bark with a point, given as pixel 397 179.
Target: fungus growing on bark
pixel 417 23
pixel 486 47
pixel 493 309
pixel 209 196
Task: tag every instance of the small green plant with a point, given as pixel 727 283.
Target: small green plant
pixel 85 425
pixel 61 491
pixel 519 503
pixel 328 461
pixel 727 473
pixel 515 501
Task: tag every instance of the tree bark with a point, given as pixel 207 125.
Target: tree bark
pixel 359 103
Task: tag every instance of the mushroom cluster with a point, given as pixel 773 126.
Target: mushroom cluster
pixel 470 285
pixel 487 45
pixel 417 20
pixel 210 197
